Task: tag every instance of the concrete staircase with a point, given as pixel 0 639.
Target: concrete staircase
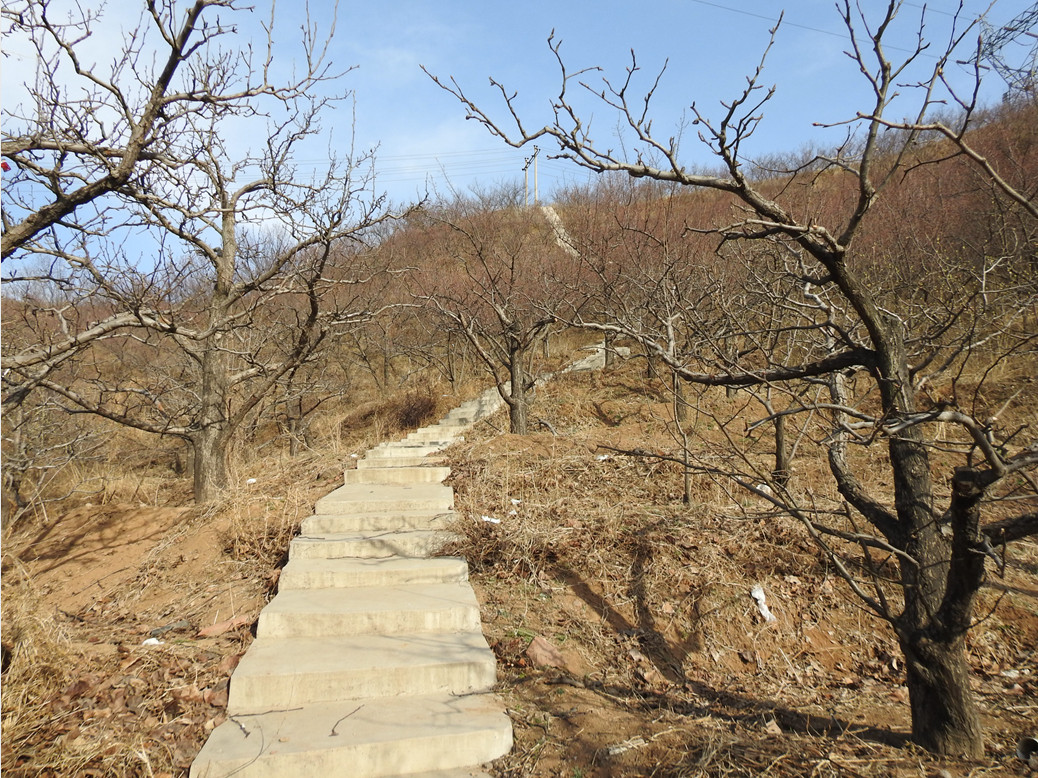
pixel 370 661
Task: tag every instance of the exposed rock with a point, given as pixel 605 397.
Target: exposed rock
pixel 541 653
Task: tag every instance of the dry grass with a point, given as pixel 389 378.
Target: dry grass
pixel 670 669
pixel 36 668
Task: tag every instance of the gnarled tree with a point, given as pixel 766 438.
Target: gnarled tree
pixel 178 262
pixel 489 272
pixel 865 335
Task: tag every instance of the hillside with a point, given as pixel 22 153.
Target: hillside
pixel 788 529
pixel 668 667
pixel 665 664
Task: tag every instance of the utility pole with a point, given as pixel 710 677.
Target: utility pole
pixel 536 199
pixel 526 170
pixel 526 180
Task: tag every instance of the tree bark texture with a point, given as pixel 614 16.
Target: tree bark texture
pixel 518 399
pixel 944 716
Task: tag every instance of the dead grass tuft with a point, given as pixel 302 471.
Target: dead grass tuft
pixel 36 668
pixel 670 668
pixel 412 410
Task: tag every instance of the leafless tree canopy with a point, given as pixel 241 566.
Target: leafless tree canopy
pixel 172 263
pixel 821 292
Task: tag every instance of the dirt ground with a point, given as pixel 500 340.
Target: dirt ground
pixel 82 598
pixel 628 640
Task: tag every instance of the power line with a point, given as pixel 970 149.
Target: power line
pixel 842 34
pixel 770 19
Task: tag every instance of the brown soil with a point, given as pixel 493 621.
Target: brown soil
pixel 665 668
pixel 85 694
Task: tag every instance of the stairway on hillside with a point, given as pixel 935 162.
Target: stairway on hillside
pixel 370 661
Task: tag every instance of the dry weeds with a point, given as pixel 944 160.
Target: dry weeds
pixel 670 668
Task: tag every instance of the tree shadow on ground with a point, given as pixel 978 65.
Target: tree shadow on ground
pixel 668 659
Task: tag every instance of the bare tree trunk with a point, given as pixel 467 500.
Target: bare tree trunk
pixel 297 425
pixel 933 625
pixel 680 406
pixel 518 401
pixel 783 465
pixel 386 361
pixel 210 441
pixel 944 715
pixel 210 464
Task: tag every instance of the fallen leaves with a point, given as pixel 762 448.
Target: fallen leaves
pixel 159 701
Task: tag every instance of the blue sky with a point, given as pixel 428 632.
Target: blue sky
pixel 424 140
pixel 709 48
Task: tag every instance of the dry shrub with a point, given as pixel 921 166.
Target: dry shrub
pixel 263 516
pixel 260 527
pixel 383 419
pixel 411 410
pixel 36 668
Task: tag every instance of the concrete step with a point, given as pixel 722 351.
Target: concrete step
pixel 282 673
pixel 458 422
pixel 391 571
pixel 367 498
pixel 435 434
pixel 437 442
pixel 422 460
pixel 406 543
pixel 404 449
pixel 333 523
pixel 397 475
pixel 370 610
pixel 458 418
pixel 359 738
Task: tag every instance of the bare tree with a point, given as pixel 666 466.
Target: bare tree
pixel 488 273
pixel 246 263
pixel 80 141
pixel 46 458
pixel 919 566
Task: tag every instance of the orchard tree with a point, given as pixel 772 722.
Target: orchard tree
pixel 179 265
pixel 867 348
pixel 488 271
pixel 46 456
pixel 622 234
pixel 669 289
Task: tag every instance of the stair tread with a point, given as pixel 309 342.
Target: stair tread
pixel 321 537
pixel 283 672
pixel 363 599
pixel 290 656
pixel 417 543
pixel 350 492
pixel 389 497
pixel 380 736
pixel 316 572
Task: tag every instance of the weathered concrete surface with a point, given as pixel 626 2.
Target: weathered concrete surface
pixel 370 660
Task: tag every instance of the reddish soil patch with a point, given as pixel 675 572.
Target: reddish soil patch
pixel 667 666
